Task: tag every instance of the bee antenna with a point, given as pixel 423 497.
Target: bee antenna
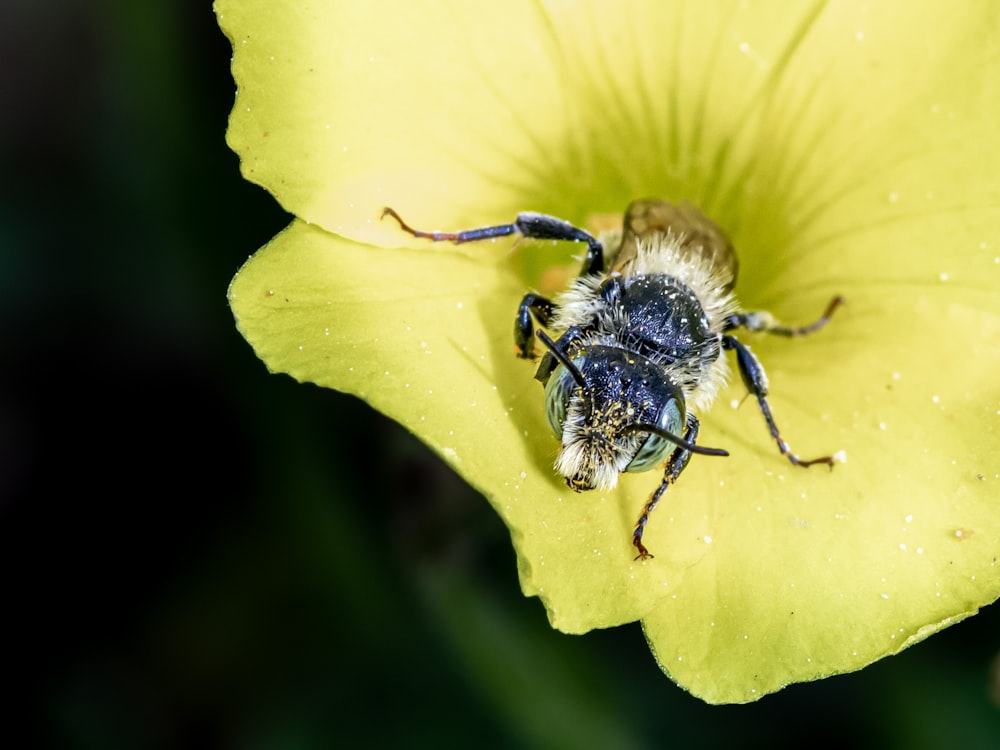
pixel 675 439
pixel 566 362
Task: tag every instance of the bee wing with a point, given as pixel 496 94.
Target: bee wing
pixel 701 235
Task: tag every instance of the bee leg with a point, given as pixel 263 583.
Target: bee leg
pixel 549 363
pixel 755 380
pixel 532 226
pixel 762 321
pixel 544 227
pixel 528 224
pixel 524 338
pixel 677 462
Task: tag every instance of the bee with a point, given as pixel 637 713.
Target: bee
pixel 640 337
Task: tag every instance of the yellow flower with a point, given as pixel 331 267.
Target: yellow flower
pixel 845 147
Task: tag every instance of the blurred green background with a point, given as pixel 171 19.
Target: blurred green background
pixel 198 554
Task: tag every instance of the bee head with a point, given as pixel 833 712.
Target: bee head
pixel 613 411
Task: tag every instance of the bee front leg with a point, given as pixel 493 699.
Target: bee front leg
pixel 677 462
pixel 542 308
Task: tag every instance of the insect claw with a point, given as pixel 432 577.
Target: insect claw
pixel 644 554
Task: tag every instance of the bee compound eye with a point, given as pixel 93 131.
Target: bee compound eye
pixel 655 449
pixel 558 391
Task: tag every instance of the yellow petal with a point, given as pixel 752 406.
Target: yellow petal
pixel 346 107
pixel 846 149
pixel 459 114
pixel 890 199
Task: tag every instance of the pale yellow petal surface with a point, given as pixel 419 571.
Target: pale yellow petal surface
pixel 427 106
pixel 426 337
pixel 457 113
pixel 895 205
pixel 847 148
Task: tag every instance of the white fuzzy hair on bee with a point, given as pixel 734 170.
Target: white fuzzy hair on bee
pixel 666 254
